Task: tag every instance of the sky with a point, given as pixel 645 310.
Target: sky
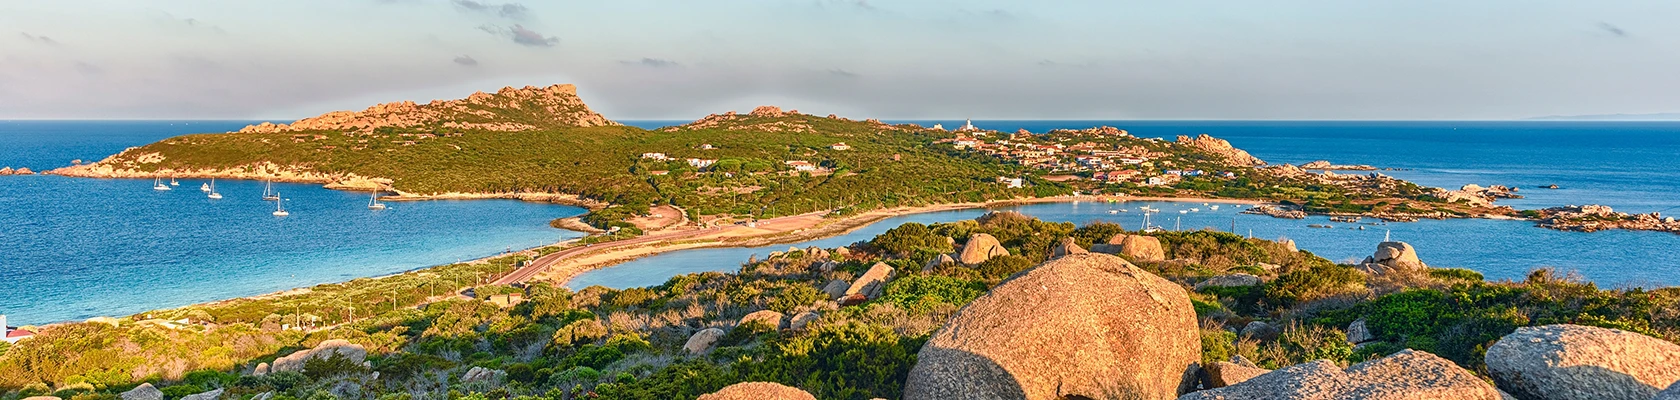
pixel 898 59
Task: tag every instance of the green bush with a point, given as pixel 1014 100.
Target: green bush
pixel 921 293
pixel 1316 282
pixel 1455 274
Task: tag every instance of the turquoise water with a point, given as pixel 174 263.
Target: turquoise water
pixel 76 248
pixel 1628 165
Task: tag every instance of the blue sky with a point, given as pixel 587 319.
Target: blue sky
pixel 1047 59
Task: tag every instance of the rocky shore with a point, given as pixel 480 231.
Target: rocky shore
pixel 1323 165
pixel 20 171
pixel 1594 218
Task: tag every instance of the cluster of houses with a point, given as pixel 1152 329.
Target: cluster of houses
pixel 1106 163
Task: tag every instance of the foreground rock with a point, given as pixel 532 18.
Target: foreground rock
pixel 1232 280
pixel 1055 331
pixel 758 391
pixel 1567 362
pixel 768 318
pixel 210 395
pixel 702 341
pixel 980 247
pixel 143 392
pixel 1392 257
pixel 1138 247
pixel 1407 375
pixel 1065 248
pixel 872 283
pixel 326 349
pixel 1238 370
pixel 1673 393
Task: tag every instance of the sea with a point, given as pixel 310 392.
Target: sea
pixel 75 248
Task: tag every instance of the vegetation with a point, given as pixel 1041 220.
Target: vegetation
pixel 627 344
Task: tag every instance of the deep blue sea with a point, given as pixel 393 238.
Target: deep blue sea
pixel 74 248
pixel 1632 166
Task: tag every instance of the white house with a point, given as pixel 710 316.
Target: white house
pixel 700 162
pixel 656 156
pixel 803 166
pixel 12 334
pixel 842 146
pixel 1011 182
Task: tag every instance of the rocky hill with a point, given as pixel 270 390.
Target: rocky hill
pixel 507 110
pixel 772 119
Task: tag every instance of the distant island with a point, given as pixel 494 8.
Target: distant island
pixel 1610 117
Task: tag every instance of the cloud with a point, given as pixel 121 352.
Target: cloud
pixel 1612 29
pixel 466 60
pixel 532 38
pixel 171 21
pixel 843 73
pixel 39 39
pixel 88 69
pixel 508 10
pixel 652 63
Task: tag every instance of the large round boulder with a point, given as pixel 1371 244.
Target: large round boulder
pixel 769 318
pixel 1067 247
pixel 1567 362
pixel 1393 256
pixel 758 391
pixel 873 282
pixel 1138 247
pixel 1407 375
pixel 1086 325
pixel 980 247
pixel 143 392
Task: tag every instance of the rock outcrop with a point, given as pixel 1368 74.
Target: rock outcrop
pixel 483 375
pixel 143 392
pixel 1392 257
pixel 1138 247
pixel 801 320
pixel 1673 393
pixel 210 395
pixel 942 259
pixel 836 289
pixel 1568 362
pixel 758 391
pixel 873 281
pixel 1259 331
pixel 1065 248
pixel 326 349
pixel 1222 149
pixel 768 318
pixel 1221 374
pixel 556 105
pixel 979 248
pixel 20 171
pixel 1357 332
pixel 1407 375
pixel 701 342
pixel 1055 331
pixel 1232 280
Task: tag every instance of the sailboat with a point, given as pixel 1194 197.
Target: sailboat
pixel 269 193
pixel 213 194
pixel 204 187
pixel 172 182
pixel 279 210
pixel 374 204
pixel 157 184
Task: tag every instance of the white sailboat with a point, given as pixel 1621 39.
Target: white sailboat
pixel 279 210
pixel 269 193
pixel 157 184
pixel 173 182
pixel 204 187
pixel 374 204
pixel 213 194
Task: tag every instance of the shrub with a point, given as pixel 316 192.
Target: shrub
pixel 909 238
pixel 1455 274
pixel 1217 345
pixel 1313 283
pixel 921 293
